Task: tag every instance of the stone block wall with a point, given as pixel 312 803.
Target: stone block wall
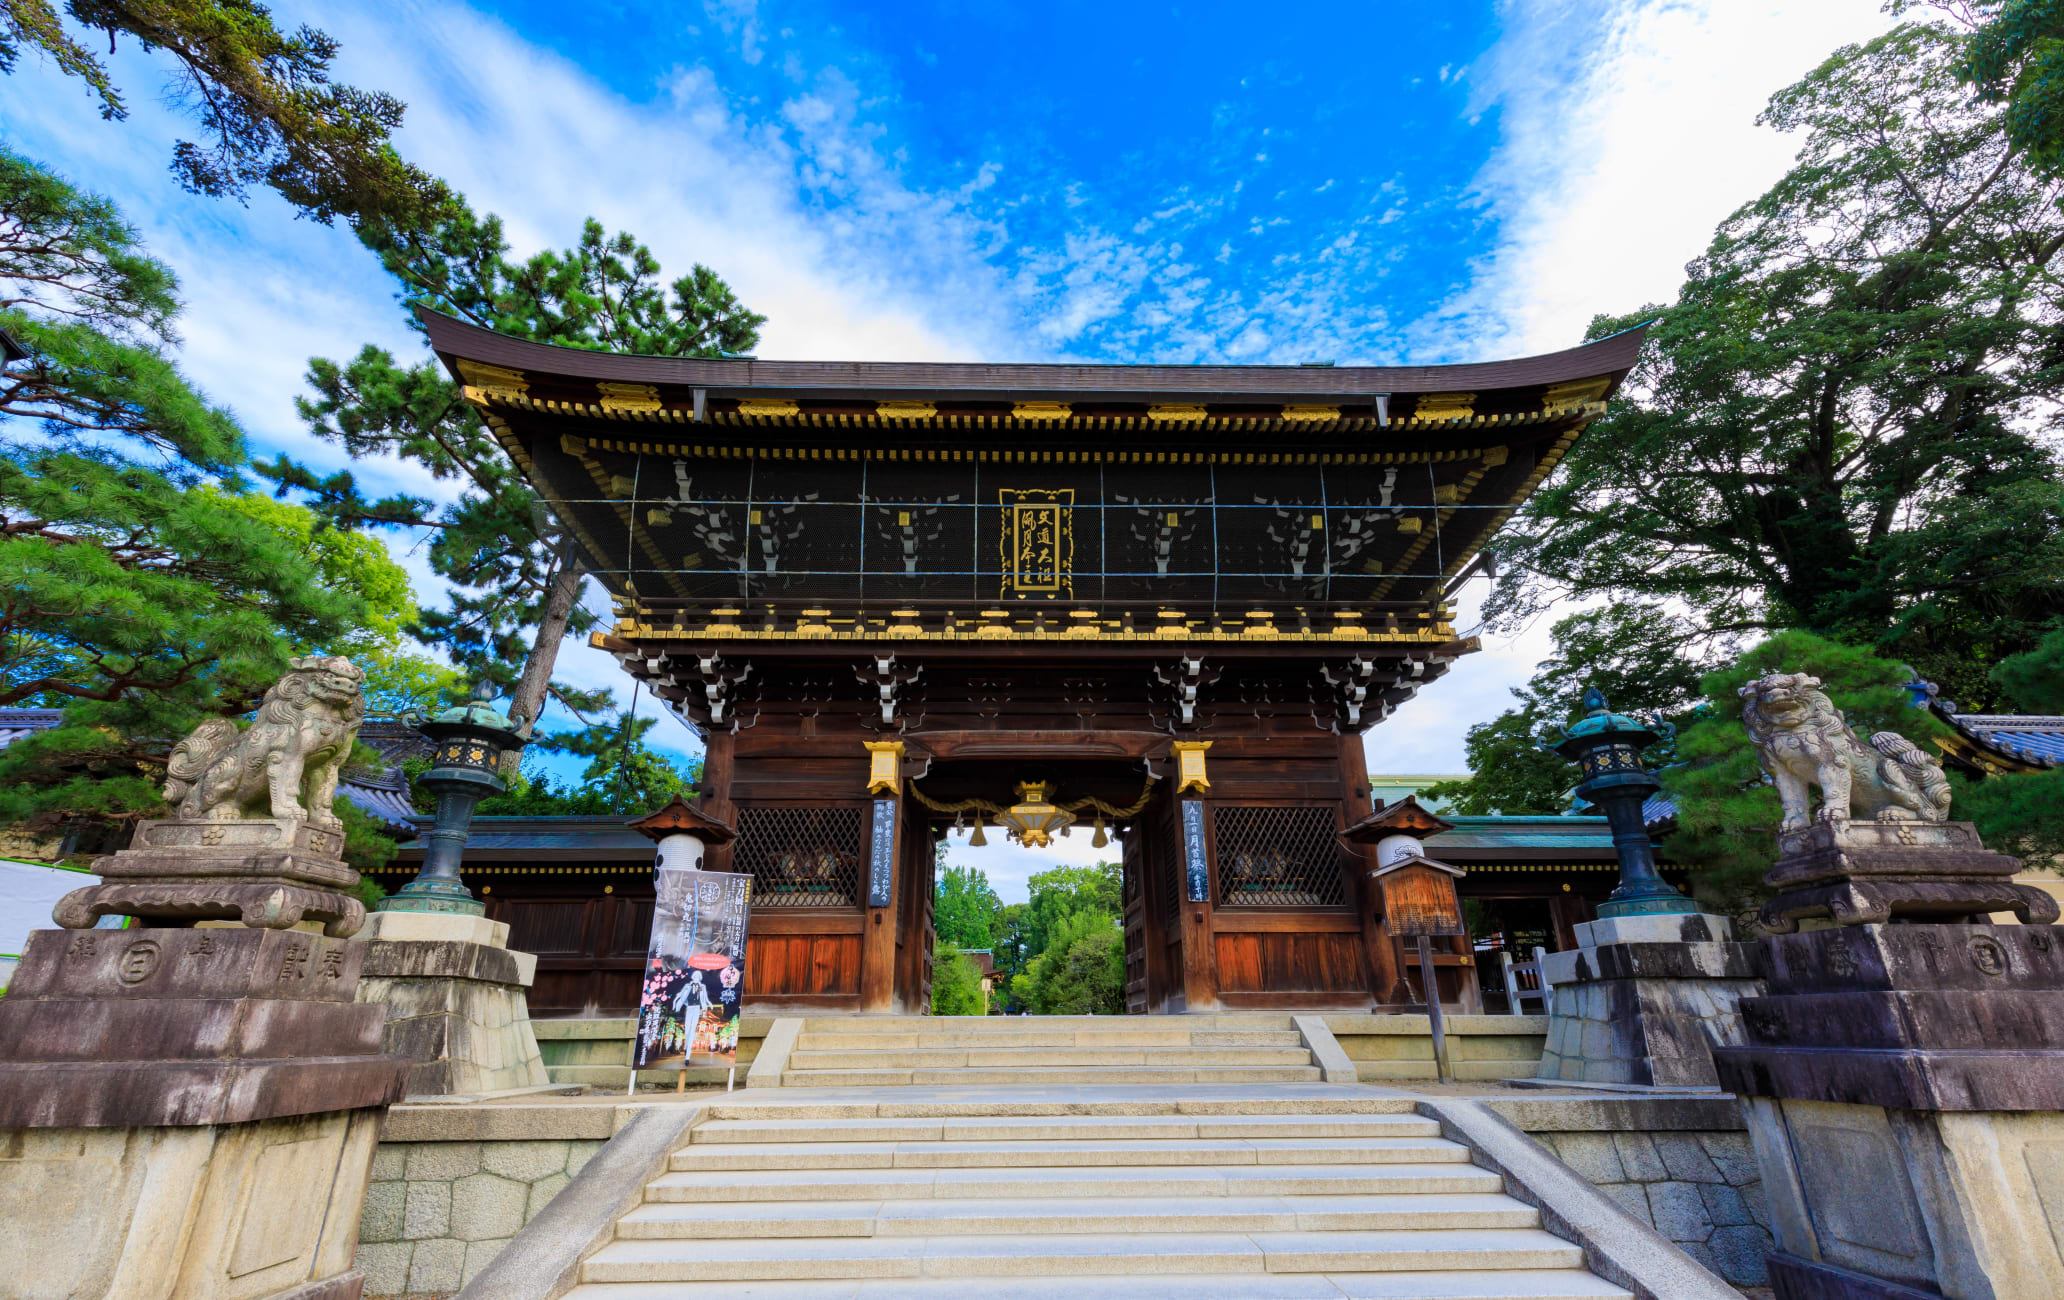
pixel 1702 1190
pixel 437 1212
pixel 1479 1047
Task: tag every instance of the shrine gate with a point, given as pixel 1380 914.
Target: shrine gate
pixel 889 594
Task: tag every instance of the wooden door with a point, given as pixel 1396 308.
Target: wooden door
pixel 590 951
pixel 1133 873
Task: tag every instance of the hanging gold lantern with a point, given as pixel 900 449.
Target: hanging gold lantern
pixel 1034 819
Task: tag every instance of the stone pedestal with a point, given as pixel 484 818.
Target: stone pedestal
pixel 271 873
pixel 1904 1085
pixel 1643 1000
pixel 187 1113
pixel 455 1004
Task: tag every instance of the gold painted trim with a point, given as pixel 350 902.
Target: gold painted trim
pixel 768 406
pixel 629 397
pixel 1310 414
pixel 1445 406
pixel 1178 412
pixel 485 383
pixel 905 410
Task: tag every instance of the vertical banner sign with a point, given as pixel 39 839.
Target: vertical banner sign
pixel 881 857
pixel 694 971
pixel 1195 870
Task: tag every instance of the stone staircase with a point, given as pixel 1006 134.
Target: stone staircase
pixel 1138 1196
pixel 857 1051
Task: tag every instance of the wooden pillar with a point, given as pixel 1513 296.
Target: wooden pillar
pixel 718 762
pixel 1387 983
pixel 885 833
pixel 1195 880
pixel 1566 911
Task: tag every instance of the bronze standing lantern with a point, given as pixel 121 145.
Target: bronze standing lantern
pixel 1420 900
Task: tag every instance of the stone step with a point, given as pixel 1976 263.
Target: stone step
pixel 1045 1024
pixel 1030 1128
pixel 935 1217
pixel 1049 1057
pixel 1486 1284
pixel 1029 1077
pixel 1100 1151
pixel 708 1258
pixel 1445 1176
pixel 947 1040
pixel 794 1106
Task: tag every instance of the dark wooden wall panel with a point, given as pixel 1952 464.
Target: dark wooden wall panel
pixel 781 964
pixel 1275 962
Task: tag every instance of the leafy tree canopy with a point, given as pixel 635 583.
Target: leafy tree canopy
pixel 1080 972
pixel 517 576
pixel 268 112
pixel 142 588
pixel 1628 651
pixel 956 983
pixel 965 910
pixel 1841 423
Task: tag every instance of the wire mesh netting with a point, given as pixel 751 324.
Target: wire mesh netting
pixel 1277 857
pixel 801 856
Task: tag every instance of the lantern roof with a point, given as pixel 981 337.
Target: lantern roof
pixel 1417 860
pixel 680 817
pixel 478 711
pixel 1600 721
pixel 1405 817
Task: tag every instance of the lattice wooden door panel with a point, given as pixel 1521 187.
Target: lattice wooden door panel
pixel 802 856
pixel 1277 857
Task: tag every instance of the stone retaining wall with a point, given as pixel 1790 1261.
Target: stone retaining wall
pixel 437 1212
pixel 1390 1047
pixel 1702 1190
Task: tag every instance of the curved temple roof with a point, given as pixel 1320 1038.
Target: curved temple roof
pixel 1025 382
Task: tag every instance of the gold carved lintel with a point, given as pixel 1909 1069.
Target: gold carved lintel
pixel 1175 412
pixel 629 397
pixel 1310 414
pixel 1041 410
pixel 768 406
pixel 483 381
pixel 1445 406
pixel 1576 392
pixel 905 410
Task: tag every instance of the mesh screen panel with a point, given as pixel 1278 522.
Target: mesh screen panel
pixel 1277 857
pixel 801 857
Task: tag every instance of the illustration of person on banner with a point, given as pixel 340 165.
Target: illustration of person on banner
pixel 694 971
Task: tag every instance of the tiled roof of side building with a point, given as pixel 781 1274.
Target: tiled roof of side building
pixel 16 723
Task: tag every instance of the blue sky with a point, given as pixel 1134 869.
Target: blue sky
pixel 930 179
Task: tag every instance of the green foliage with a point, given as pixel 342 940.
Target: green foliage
pixel 518 576
pixel 141 589
pixel 956 983
pixel 398 682
pixel 1840 424
pixel 364 846
pixel 2034 679
pixel 964 913
pixel 2016 57
pixel 1056 945
pixel 2020 813
pixel 1082 971
pixel 1727 811
pixel 263 98
pixel 1639 655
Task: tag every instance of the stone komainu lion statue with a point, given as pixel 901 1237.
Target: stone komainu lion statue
pixel 286 763
pixel 1802 739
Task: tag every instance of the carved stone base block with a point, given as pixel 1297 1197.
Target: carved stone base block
pixel 1966 1205
pixel 1867 873
pixel 455 1002
pixel 248 1211
pixel 270 873
pixel 1905 1093
pixel 171 1027
pixel 1643 1000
